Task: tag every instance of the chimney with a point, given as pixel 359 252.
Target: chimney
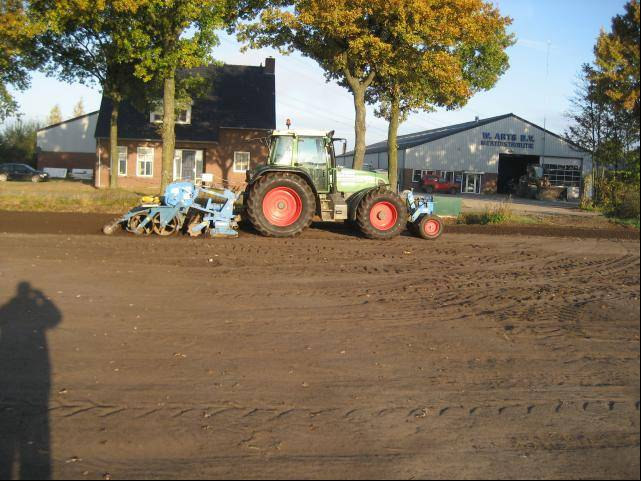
pixel 476 119
pixel 270 66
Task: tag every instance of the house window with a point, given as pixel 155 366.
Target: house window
pixel 241 161
pixel 145 162
pixel 183 116
pixel 417 175
pixel 122 161
pixel 447 176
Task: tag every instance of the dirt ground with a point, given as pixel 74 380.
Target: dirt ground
pixel 326 356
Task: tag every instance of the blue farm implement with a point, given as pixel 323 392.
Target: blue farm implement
pixel 184 207
pixel 422 221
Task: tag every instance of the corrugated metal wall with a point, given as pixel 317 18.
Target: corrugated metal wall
pixel 466 151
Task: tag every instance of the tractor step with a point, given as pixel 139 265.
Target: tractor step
pixel 333 207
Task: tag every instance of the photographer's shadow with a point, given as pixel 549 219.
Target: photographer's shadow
pixel 25 382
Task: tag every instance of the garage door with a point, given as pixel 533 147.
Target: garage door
pixel 562 171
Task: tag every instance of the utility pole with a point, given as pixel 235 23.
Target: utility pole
pixel 545 100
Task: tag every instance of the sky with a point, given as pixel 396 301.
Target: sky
pixel 568 27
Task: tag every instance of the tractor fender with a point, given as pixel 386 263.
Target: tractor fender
pixel 354 200
pixel 252 177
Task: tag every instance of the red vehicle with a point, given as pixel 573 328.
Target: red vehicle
pixel 433 184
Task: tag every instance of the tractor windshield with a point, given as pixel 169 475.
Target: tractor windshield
pixel 282 150
pixel 312 150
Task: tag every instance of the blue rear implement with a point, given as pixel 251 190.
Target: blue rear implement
pixel 186 208
pixel 422 221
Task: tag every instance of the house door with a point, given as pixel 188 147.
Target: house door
pixel 188 165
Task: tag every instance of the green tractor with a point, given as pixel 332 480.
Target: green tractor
pixel 301 180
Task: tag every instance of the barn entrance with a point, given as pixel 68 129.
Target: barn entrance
pixel 511 168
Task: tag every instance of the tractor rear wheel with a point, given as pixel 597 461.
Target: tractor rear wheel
pixel 281 204
pixel 381 215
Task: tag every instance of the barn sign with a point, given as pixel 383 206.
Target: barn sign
pixel 514 141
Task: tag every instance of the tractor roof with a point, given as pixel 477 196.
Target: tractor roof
pixel 302 132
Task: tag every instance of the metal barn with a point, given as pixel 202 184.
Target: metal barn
pixel 483 156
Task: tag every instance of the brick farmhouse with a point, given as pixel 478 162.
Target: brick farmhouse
pixel 221 132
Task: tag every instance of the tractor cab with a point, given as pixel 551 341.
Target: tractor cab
pixel 312 153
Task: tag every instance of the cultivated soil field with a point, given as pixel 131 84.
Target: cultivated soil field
pixel 326 356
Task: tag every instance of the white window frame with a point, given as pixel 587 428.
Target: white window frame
pixel 140 151
pixel 200 158
pixel 121 149
pixel 238 170
pixel 443 175
pixel 423 173
pixel 156 115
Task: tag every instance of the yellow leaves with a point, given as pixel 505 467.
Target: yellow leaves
pixel 617 58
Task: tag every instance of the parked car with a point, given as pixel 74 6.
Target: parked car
pixel 21 172
pixel 432 184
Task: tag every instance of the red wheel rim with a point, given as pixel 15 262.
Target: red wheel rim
pixel 383 215
pixel 432 228
pixel 282 206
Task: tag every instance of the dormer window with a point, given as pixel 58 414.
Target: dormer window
pixel 183 115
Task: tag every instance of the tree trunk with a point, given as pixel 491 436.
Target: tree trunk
pixel 392 144
pixel 360 128
pixel 168 130
pixel 113 144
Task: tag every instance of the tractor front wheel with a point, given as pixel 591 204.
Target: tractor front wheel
pixel 381 215
pixel 281 204
pixel 429 227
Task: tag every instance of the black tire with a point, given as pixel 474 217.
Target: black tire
pixel 364 209
pixel 453 191
pixel 281 181
pixel 429 233
pixel 428 189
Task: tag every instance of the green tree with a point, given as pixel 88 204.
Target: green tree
pixel 604 115
pixel 17 53
pixel 88 42
pixel 439 53
pixel 341 36
pixel 617 59
pixel 171 35
pixel 55 115
pixel 588 112
pixel 18 142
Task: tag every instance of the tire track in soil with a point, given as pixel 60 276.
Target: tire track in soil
pixel 332 356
